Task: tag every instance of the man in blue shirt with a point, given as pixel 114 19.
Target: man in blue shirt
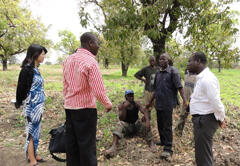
pixel 166 85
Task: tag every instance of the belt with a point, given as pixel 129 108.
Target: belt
pixel 197 115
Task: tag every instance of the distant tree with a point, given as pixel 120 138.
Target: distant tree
pixel 18 30
pixel 68 42
pixel 13 60
pixel 215 35
pixel 48 63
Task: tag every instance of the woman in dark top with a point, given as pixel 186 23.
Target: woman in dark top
pixel 30 94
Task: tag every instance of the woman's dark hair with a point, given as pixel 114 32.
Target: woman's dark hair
pixel 33 52
pixel 200 56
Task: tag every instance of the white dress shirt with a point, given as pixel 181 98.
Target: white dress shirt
pixel 206 96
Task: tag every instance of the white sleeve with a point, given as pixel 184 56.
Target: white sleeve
pixel 213 93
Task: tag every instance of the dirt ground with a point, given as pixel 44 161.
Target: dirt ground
pixel 131 151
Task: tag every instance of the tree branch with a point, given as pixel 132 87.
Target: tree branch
pixel 3 33
pixel 18 52
pixel 100 6
pixel 174 16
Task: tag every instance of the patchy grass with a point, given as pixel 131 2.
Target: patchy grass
pixel 131 151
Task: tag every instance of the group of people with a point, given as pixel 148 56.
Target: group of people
pixel 83 85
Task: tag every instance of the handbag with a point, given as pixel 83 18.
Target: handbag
pixel 57 142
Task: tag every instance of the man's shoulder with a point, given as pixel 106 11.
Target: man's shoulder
pixel 82 58
pixel 145 68
pixel 174 70
pixel 209 79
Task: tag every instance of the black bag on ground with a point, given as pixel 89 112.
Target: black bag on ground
pixel 57 142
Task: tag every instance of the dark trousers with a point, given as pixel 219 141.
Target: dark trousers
pixel 81 137
pixel 204 127
pixel 164 121
pixel 181 123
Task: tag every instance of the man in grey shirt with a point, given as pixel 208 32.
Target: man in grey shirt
pixel 147 75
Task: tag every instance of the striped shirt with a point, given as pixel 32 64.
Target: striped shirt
pixel 82 81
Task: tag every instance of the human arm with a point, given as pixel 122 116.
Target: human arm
pixel 24 85
pixel 140 75
pixel 122 110
pixel 185 102
pixel 212 90
pixel 96 83
pixel 177 83
pixel 65 83
pixel 144 112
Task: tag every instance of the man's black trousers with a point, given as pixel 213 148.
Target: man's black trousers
pixel 81 137
pixel 164 121
pixel 204 127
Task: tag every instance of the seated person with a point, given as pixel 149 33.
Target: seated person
pixel 130 123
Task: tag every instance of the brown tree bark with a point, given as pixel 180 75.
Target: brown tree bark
pixel 219 65
pixel 124 69
pixel 4 62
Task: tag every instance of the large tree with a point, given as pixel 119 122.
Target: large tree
pixel 158 19
pixel 215 34
pixel 18 29
pixel 123 37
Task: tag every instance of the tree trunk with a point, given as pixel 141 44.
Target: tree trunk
pixel 124 69
pixel 219 65
pixel 4 62
pixel 106 63
pixel 158 47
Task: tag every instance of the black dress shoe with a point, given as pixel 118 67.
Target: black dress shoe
pixel 159 143
pixel 40 161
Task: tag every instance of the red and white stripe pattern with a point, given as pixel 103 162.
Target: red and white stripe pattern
pixel 82 81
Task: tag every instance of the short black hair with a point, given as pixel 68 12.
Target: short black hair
pixel 87 37
pixel 200 56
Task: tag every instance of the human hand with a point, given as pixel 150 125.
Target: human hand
pixel 17 105
pixel 108 108
pixel 223 124
pixel 147 106
pixel 185 103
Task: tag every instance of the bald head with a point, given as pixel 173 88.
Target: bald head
pixel 152 60
pixel 165 55
pixel 89 41
pixel 163 60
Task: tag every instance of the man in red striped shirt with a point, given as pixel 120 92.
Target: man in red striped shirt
pixel 82 85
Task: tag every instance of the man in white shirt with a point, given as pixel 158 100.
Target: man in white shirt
pixel 206 108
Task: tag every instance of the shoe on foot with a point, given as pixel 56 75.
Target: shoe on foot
pixel 159 143
pixel 165 154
